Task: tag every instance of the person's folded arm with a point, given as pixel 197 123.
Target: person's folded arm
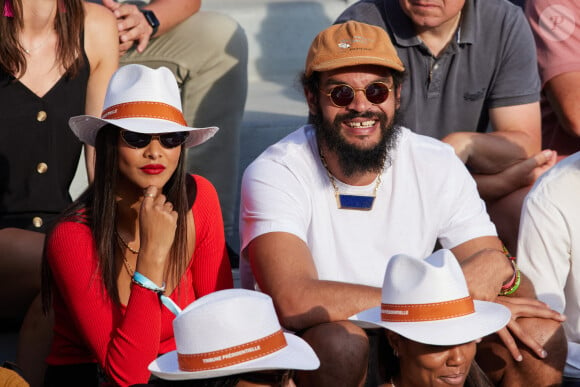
pixel 563 93
pixel 284 269
pixel 515 137
pixel 484 265
pixel 521 174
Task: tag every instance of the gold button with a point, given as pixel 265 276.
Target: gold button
pixel 41 116
pixel 37 221
pixel 41 168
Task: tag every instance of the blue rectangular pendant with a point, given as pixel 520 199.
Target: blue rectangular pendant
pixel 355 202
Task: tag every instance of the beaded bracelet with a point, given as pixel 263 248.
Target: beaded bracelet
pixel 146 283
pixel 514 282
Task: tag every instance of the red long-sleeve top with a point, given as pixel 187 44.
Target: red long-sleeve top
pixel 90 328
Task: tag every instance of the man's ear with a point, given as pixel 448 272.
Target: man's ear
pixel 398 97
pixel 312 101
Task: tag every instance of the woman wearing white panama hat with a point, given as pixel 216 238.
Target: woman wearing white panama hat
pixel 144 234
pixel 232 338
pixel 432 323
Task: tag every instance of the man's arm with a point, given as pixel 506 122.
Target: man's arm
pixel 134 28
pixel 521 174
pixel 484 265
pixel 558 63
pixel 514 140
pixel 284 269
pixel 515 137
pixel 563 92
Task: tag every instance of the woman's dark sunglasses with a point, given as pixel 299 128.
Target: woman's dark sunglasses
pixel 343 95
pixel 141 140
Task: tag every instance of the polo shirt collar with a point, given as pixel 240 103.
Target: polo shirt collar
pixel 404 33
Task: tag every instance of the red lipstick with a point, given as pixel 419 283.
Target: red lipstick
pixel 153 169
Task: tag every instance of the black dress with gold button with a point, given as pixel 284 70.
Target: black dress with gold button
pixel 38 152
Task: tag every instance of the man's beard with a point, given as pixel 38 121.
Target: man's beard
pixel 351 158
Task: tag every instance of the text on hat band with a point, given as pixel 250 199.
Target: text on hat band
pixel 144 109
pixel 427 312
pixel 233 355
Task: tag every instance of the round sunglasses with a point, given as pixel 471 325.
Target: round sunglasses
pixel 343 95
pixel 141 140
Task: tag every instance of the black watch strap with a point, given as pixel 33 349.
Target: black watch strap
pixel 151 19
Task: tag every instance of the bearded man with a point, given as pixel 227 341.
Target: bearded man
pixel 324 209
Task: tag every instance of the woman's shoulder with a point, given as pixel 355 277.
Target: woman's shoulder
pixel 202 190
pixel 71 230
pixel 100 29
pixel 202 183
pixel 96 15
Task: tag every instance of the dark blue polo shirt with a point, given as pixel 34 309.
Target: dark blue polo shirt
pixel 490 63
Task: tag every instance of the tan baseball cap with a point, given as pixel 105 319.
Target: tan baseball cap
pixel 350 44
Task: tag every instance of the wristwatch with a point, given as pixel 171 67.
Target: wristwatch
pixel 151 19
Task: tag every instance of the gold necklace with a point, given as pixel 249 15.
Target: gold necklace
pixel 128 267
pixel 120 238
pixel 352 202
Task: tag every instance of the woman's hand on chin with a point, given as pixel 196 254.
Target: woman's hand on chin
pixel 157 225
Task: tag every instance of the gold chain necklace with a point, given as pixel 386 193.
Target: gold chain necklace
pixel 352 202
pixel 128 267
pixel 120 238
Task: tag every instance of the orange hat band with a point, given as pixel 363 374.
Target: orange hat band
pixel 233 355
pixel 143 109
pixel 427 312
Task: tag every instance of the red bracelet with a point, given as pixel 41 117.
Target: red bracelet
pixel 513 279
pixel 514 282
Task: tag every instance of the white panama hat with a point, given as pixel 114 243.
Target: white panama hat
pixel 427 300
pixel 143 100
pixel 230 332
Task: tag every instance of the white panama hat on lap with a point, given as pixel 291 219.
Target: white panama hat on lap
pixel 230 332
pixel 427 300
pixel 143 100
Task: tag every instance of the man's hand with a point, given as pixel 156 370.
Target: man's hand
pixel 518 175
pixel 524 307
pixel 527 171
pixel 132 25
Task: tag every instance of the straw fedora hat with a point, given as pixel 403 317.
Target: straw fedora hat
pixel 144 100
pixel 427 300
pixel 230 332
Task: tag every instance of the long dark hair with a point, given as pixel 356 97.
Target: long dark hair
pixel 68 23
pixel 97 208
